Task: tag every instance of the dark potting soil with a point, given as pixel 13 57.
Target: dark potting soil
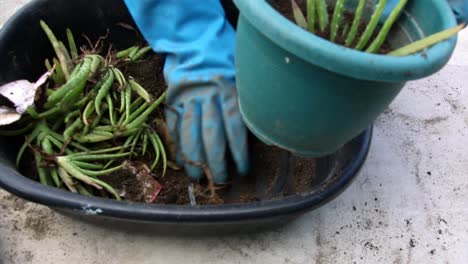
pixel 284 7
pixel 148 73
pixel 275 173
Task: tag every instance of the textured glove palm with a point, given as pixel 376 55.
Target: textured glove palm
pixel 199 44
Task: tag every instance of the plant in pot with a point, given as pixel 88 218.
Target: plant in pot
pixel 317 94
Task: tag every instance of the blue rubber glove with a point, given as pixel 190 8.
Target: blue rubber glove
pixel 459 7
pixel 200 73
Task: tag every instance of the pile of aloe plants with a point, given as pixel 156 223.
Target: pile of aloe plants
pixel 318 20
pixel 90 120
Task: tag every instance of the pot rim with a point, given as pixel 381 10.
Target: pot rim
pixel 347 61
pixel 15 183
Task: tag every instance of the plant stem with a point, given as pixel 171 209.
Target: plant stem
pixel 67 179
pixel 82 190
pixel 57 48
pixel 47 147
pixel 66 164
pixel 140 53
pixel 427 41
pixel 101 172
pixel 345 30
pixel 43 173
pixel 103 90
pixel 371 25
pixel 18 132
pixel 100 156
pixel 142 118
pixel 337 18
pixel 80 76
pixel 322 14
pixel 59 74
pixel 89 166
pixel 100 151
pixel 68 134
pixel 136 113
pixel 128 103
pixel 163 154
pixel 155 143
pixel 72 44
pixel 379 40
pixel 124 53
pixel 298 15
pixel 137 88
pixel 356 21
pixel 311 14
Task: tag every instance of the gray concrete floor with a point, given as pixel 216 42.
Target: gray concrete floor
pixel 408 205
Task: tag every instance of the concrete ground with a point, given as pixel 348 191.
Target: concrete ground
pixel 408 205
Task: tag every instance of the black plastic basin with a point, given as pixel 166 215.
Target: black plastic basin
pixel 23 48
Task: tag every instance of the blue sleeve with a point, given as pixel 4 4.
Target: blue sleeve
pixel 195 36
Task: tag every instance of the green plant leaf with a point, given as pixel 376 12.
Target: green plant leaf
pixel 59 51
pixel 427 41
pixel 322 14
pixel 356 21
pixel 311 14
pixel 371 25
pixel 379 40
pixel 345 30
pixel 72 44
pixel 298 15
pixel 337 18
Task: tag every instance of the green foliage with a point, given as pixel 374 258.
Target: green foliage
pixel 311 14
pixel 317 13
pixel 356 21
pixel 90 108
pixel 298 15
pixel 337 18
pixel 322 14
pixel 379 40
pixel 369 31
pixel 427 41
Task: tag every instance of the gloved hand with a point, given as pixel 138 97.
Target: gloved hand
pixel 199 70
pixel 459 8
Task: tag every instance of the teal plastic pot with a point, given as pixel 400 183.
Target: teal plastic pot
pixel 310 96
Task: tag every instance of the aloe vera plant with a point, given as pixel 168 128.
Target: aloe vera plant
pixel 94 119
pixel 317 13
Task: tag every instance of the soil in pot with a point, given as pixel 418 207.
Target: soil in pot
pixel 285 8
pixel 275 173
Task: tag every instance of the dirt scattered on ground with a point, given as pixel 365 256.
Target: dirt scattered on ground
pixel 39 222
pixel 17 203
pixel 435 120
pixel 28 256
pixel 370 246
